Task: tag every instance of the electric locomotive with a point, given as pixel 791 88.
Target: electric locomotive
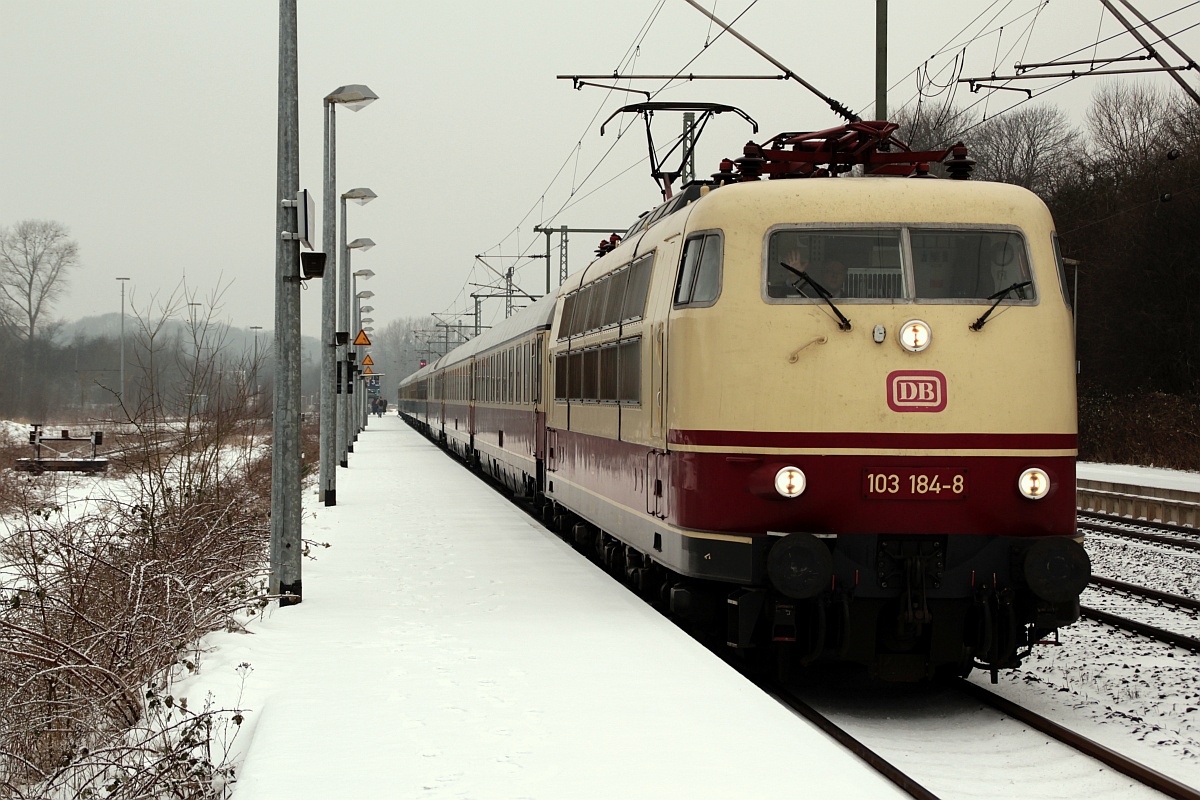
pixel 832 418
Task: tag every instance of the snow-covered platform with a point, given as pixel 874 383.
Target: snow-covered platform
pixel 448 646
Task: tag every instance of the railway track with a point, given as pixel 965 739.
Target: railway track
pixel 1181 536
pixel 1163 601
pixel 921 778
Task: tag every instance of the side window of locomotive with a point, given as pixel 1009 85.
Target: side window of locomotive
pixel 610 371
pixel 639 284
pixel 564 324
pixel 597 304
pixel 629 359
pixel 853 264
pixel 1062 271
pixel 561 362
pixel 616 296
pixel 969 265
pixel 700 273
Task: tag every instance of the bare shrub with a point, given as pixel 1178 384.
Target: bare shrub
pixel 101 598
pixel 1149 428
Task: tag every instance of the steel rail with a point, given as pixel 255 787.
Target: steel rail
pixel 1142 629
pixel 1110 758
pixel 1099 517
pixel 1188 603
pixel 877 762
pixel 1146 536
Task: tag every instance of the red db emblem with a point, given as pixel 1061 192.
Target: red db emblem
pixel 916 390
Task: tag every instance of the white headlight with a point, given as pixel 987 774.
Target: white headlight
pixel 1034 483
pixel 790 482
pixel 915 335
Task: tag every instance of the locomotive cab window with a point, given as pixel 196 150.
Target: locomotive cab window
pixel 847 263
pixel 700 271
pixel 969 265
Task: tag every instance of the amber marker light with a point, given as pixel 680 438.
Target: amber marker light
pixel 790 482
pixel 915 335
pixel 1034 483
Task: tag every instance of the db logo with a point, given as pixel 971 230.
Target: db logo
pixel 916 390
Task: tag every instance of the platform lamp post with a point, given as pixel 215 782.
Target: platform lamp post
pixel 286 492
pixel 354 97
pixel 121 393
pixel 345 438
pixel 356 416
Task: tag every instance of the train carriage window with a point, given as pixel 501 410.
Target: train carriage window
pixel 537 370
pixel 519 383
pixel 610 373
pixel 629 388
pixel 700 273
pixel 639 285
pixel 968 264
pixel 848 263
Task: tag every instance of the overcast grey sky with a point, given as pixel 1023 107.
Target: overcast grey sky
pixel 148 127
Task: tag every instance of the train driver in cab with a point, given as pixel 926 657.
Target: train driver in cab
pixel 795 252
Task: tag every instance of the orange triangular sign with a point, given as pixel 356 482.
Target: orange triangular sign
pixel 368 371
pixel 367 362
pixel 361 340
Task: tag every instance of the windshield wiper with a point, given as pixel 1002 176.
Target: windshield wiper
pixel 844 324
pixel 999 296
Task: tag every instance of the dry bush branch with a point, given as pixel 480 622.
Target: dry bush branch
pixel 103 597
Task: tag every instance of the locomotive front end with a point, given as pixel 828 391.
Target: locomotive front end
pixel 876 394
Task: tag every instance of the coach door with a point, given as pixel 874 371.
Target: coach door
pixel 656 459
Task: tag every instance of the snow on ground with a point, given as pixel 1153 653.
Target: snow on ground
pixel 448 646
pixel 1139 476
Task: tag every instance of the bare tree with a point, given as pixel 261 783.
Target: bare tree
pixel 34 258
pixel 1030 146
pixel 927 128
pixel 1128 124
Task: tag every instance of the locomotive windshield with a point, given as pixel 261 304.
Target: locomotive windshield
pixel 849 263
pixel 897 264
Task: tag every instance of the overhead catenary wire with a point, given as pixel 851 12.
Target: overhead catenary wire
pixel 571 199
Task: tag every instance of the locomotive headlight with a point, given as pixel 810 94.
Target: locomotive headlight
pixel 915 335
pixel 790 482
pixel 1034 483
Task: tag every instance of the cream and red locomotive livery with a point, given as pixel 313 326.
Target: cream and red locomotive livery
pixel 831 416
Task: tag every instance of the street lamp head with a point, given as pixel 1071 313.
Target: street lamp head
pixel 361 244
pixel 122 279
pixel 364 273
pixel 360 196
pixel 365 294
pixel 367 309
pixel 354 97
pixel 365 320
